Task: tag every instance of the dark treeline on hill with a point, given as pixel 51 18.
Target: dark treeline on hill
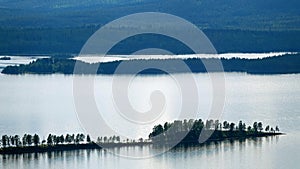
pixel 47 27
pixel 243 14
pixel 189 131
pixel 289 63
pixel 48 41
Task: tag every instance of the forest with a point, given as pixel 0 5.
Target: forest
pixel 62 27
pixel 189 131
pixel 50 41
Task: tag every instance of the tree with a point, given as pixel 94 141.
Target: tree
pixel 255 127
pixel 140 140
pixel 68 139
pixel 29 139
pixel 198 126
pixel 55 139
pixel 242 126
pixel 88 139
pixel 185 125
pixel 209 124
pixel 260 126
pixel 225 125
pixel 217 124
pixel 158 129
pixel 81 137
pixel 99 140
pixel 277 128
pixel 77 139
pixel 36 140
pixel 73 138
pixel 113 138
pixel 118 138
pixel 190 124
pixel 249 128
pixel 5 140
pixel 231 126
pixel 62 139
pixel 11 140
pixel 17 140
pixel 267 128
pixel 50 139
pixel 105 139
pixel 24 140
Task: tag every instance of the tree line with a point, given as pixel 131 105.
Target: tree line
pixel 29 140
pixel 191 130
pixel 167 132
pixel 52 140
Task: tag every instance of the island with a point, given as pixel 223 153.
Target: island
pixel 187 130
pixel 5 58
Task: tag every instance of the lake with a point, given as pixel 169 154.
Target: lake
pixel 45 104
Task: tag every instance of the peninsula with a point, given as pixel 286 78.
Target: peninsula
pixel 187 130
pixel 286 64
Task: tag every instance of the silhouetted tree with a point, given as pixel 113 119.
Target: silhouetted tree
pixel 242 126
pixel 225 125
pixel 17 140
pixel 55 139
pixel 88 139
pixel 36 140
pixel 277 128
pixel 62 139
pixel 81 137
pixel 118 138
pixel 5 139
pixel 231 126
pixel 217 124
pixel 167 126
pixel 158 129
pixel 24 140
pixel 50 140
pixel 140 140
pixel 260 126
pixel 255 127
pixel 29 139
pixel 68 139
pixel 73 138
pixel 267 128
pixel 77 139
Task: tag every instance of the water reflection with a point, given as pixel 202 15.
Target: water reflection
pixel 233 153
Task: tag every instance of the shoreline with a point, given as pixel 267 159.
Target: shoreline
pixel 284 64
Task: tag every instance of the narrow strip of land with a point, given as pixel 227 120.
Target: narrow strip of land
pixel 176 133
pixel 289 63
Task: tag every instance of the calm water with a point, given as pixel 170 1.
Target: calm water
pixel 43 104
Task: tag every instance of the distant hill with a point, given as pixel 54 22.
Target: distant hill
pixel 63 26
pixel 212 14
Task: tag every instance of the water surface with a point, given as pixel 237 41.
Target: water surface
pixel 43 104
